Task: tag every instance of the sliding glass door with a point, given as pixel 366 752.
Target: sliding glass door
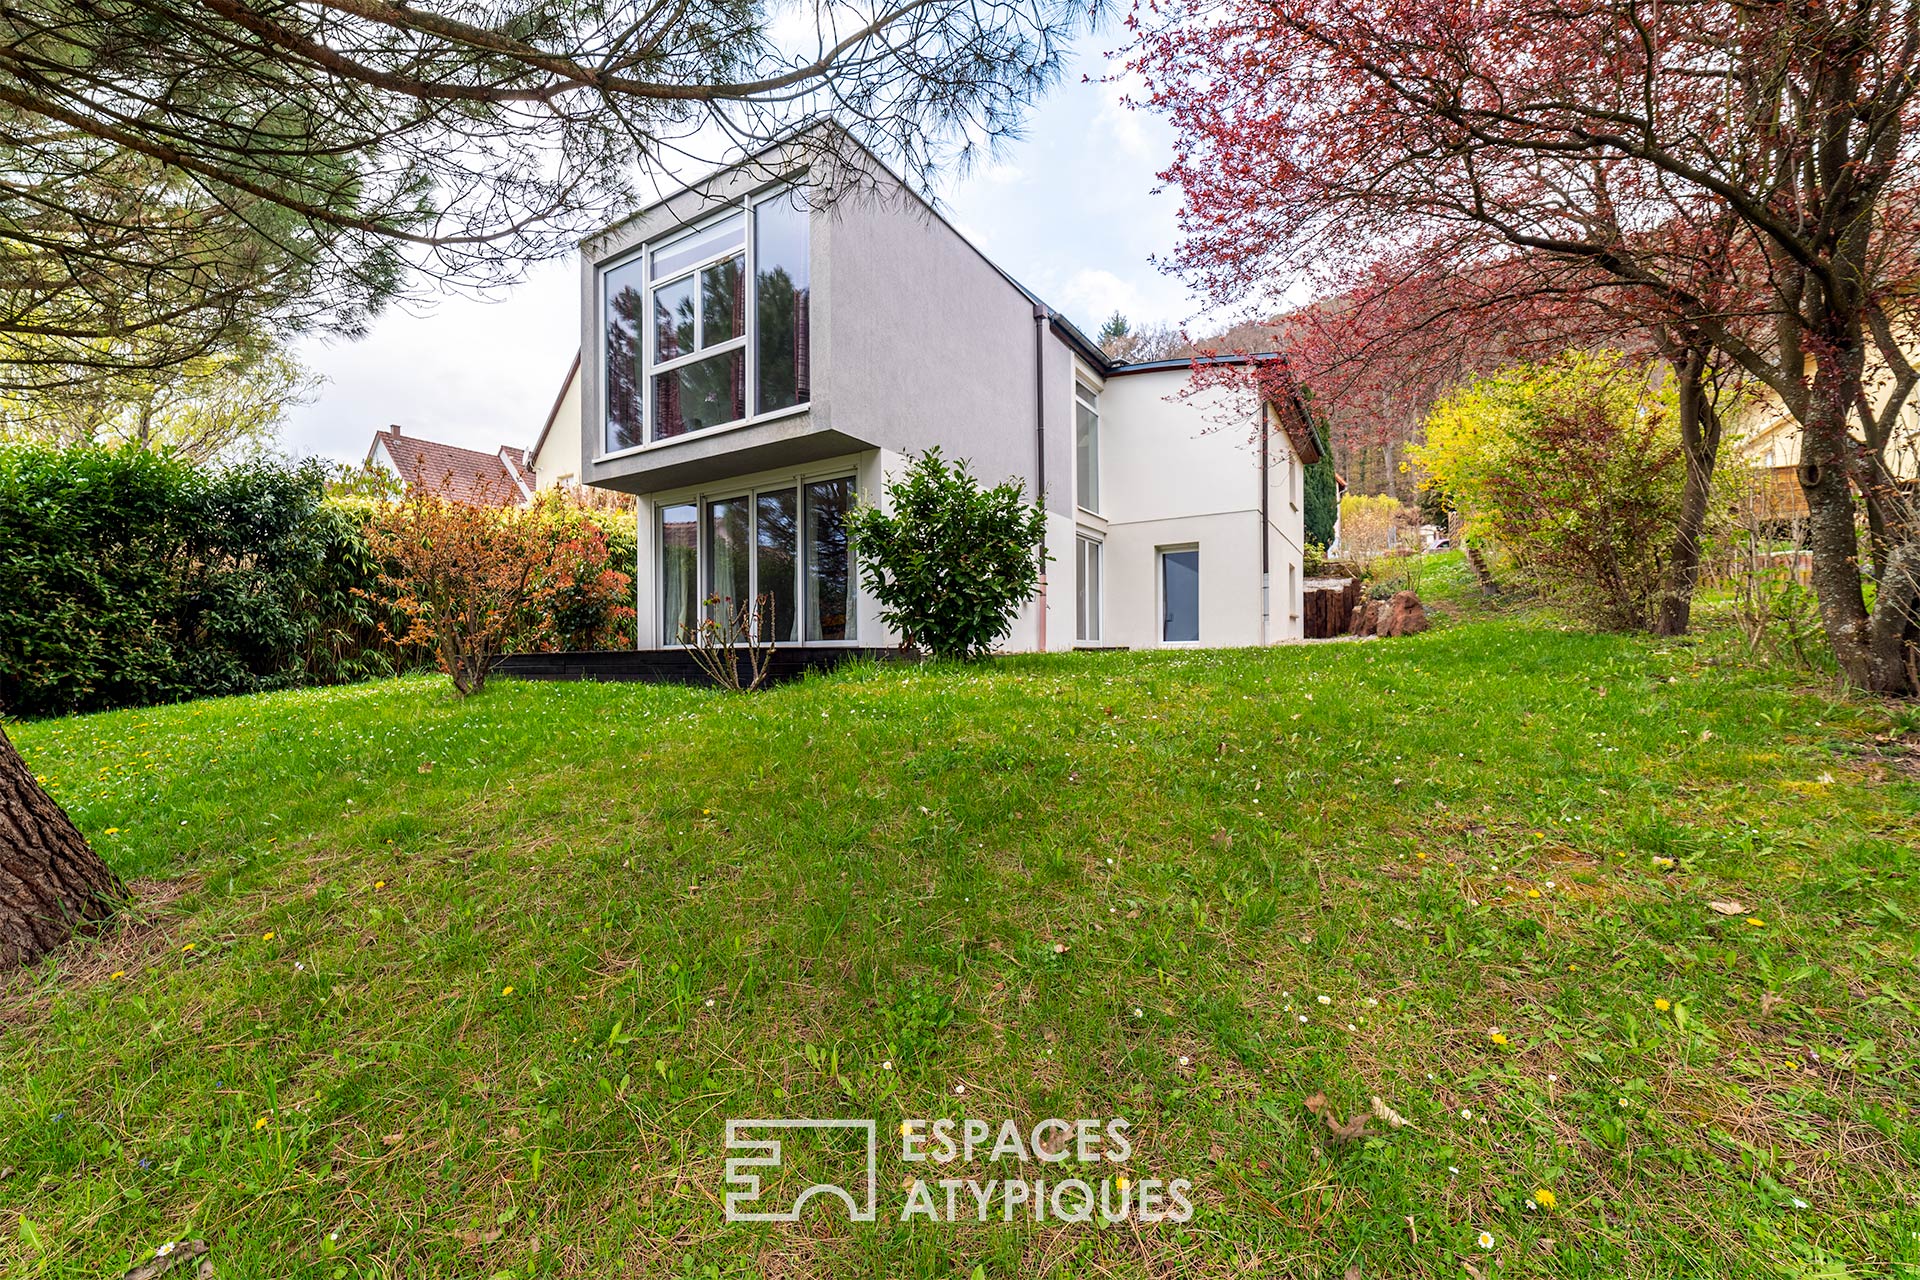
pixel 829 566
pixel 1180 595
pixel 777 562
pixel 729 573
pixel 679 570
pixel 783 551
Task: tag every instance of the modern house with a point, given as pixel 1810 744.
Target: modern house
pixel 755 360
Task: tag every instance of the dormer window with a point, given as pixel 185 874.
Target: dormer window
pixel 709 326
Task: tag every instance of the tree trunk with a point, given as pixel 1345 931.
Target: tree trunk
pixel 1894 627
pixel 1831 533
pixel 51 880
pixel 1700 443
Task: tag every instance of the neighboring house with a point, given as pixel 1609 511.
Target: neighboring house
pixel 556 451
pixel 1767 440
pixel 500 479
pixel 752 368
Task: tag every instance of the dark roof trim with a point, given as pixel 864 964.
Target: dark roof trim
pixel 1187 362
pixel 1069 333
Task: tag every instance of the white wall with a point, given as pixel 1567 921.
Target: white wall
pixel 1186 473
pixel 559 458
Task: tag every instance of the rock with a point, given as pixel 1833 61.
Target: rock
pixel 1361 623
pixel 1403 615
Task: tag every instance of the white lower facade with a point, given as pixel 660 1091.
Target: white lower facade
pixel 1163 581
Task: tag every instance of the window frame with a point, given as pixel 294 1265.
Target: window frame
pixel 1092 628
pixel 1160 555
pixel 1086 395
pixel 642 254
pixel 750 492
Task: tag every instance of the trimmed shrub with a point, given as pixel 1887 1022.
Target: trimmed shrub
pixel 131 577
pixel 951 563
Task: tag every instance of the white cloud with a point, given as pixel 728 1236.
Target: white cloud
pixel 1092 294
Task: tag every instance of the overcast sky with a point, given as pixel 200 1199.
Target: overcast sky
pixel 1069 211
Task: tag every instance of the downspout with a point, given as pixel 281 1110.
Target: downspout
pixel 1266 537
pixel 1040 317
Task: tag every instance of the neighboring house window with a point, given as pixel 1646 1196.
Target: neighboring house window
pixel 1086 443
pixel 1087 593
pixel 1180 595
pixel 711 326
pixel 783 547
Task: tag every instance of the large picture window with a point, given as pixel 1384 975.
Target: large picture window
pixel 710 326
pixel 783 548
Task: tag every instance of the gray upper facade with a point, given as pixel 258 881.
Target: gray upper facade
pixel 752 323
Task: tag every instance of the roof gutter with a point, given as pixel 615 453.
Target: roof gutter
pixel 1041 316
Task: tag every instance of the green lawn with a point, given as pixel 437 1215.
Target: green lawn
pixel 429 988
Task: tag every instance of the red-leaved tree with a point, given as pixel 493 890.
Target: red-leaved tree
pixel 1733 181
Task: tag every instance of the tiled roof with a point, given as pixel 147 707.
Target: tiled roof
pixel 502 479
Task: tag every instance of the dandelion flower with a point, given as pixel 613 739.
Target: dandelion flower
pixel 259 1124
pixel 1756 922
pixel 1486 1239
pixel 1663 863
pixel 267 936
pixel 506 991
pixel 904 1127
pixel 1498 1039
pixel 1662 1005
pixel 117 973
pixel 379 884
pixel 1544 1198
pixel 1533 893
pixel 188 947
pixel 111 831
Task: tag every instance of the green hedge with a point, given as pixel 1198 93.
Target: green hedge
pixel 128 577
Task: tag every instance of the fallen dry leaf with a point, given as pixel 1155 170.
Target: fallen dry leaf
pixel 1387 1115
pixel 1727 908
pixel 1353 1127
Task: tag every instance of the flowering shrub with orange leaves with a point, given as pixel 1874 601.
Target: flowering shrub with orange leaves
pixel 471 583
